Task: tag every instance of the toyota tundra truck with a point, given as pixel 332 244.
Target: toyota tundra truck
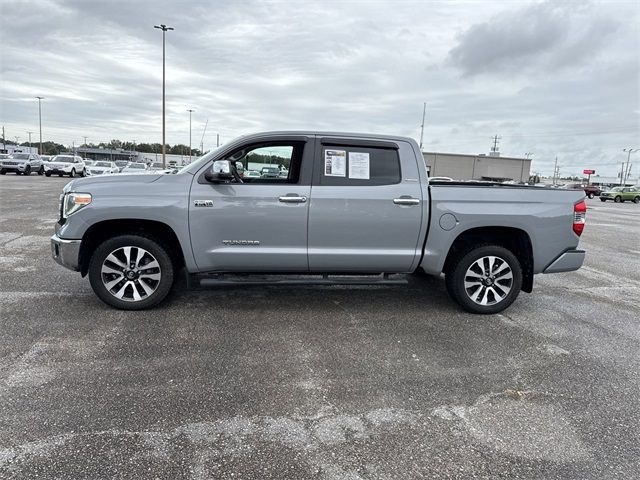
pixel 352 209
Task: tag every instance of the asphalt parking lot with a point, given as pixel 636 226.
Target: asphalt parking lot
pixel 317 382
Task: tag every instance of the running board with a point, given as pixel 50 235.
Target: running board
pixel 237 279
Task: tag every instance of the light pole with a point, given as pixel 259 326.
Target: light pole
pixel 190 110
pixel 40 120
pixel 626 170
pixel 29 133
pixel 164 29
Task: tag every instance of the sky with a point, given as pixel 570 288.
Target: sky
pixel 551 78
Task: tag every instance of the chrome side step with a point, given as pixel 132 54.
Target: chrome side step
pixel 303 279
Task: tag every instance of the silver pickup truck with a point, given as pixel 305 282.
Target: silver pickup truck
pixel 352 209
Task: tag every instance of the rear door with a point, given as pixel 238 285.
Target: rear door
pixel 366 207
pixel 259 225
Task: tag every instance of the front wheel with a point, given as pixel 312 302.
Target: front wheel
pixel 41 170
pixel 603 199
pixel 618 199
pixel 72 173
pixel 47 174
pixel 486 279
pixel 3 172
pixel 131 272
pixel 27 171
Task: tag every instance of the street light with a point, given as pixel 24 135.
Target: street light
pixel 164 29
pixel 190 110
pixel 40 120
pixel 626 170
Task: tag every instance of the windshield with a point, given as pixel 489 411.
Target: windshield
pixel 616 189
pixel 201 161
pixel 63 159
pixel 21 156
pixel 121 163
pixel 102 164
pixel 137 166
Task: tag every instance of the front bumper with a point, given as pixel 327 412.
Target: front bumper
pixel 14 168
pixel 567 262
pixel 66 252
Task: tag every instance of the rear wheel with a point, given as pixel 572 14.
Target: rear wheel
pixel 41 170
pixel 636 199
pixel 83 173
pixel 486 279
pixel 3 172
pixel 603 199
pixel 59 174
pixel 47 174
pixel 131 272
pixel 590 195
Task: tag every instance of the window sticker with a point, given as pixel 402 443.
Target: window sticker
pixel 335 163
pixel 359 165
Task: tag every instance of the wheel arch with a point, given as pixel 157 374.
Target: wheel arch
pixel 513 239
pixel 101 231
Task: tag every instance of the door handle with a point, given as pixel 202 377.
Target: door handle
pixel 406 201
pixel 292 199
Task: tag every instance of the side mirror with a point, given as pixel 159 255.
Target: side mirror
pixel 220 172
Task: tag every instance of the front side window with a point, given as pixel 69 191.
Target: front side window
pixel 351 166
pixel 271 163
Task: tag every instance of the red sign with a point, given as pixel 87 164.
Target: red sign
pixel 588 172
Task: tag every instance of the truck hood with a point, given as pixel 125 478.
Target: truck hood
pixel 85 184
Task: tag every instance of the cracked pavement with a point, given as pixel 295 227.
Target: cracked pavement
pixel 364 382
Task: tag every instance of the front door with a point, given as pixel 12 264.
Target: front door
pixel 259 225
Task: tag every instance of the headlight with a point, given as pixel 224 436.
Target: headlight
pixel 73 202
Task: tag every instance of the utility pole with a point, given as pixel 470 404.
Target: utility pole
pixel 190 110
pixel 424 111
pixel 496 140
pixel 40 120
pixel 217 139
pixel 29 133
pixel 555 170
pixel 627 170
pixel 202 139
pixel 164 29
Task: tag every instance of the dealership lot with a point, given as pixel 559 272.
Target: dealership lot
pixel 320 382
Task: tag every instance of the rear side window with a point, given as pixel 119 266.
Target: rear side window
pixel 349 166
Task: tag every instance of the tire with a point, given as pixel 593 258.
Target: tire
pixel 618 199
pixel 27 171
pixel 47 174
pixel 110 256
pixel 591 195
pixel 72 173
pixel 636 199
pixel 60 175
pixel 3 172
pixel 41 171
pixel 83 173
pixel 466 268
pixel 603 199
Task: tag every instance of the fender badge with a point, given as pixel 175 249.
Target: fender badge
pixel 203 203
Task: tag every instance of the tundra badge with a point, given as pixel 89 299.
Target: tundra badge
pixel 203 203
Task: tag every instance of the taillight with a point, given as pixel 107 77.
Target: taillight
pixel 579 217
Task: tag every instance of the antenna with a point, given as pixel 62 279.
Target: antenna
pixel 424 111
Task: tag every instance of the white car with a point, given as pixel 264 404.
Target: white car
pixel 71 165
pixel 135 167
pixel 103 167
pixel 22 164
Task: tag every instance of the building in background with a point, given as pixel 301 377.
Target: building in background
pixel 490 167
pixel 10 148
pixel 113 154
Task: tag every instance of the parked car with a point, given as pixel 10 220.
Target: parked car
pixel 135 167
pixel 102 167
pixel 270 172
pixel 22 164
pixel 122 164
pixel 589 190
pixel 374 223
pixel 60 165
pixel 251 174
pixel 621 194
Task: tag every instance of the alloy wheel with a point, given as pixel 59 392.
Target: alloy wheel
pixel 488 280
pixel 131 274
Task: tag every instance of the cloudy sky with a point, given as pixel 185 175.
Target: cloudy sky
pixel 553 78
